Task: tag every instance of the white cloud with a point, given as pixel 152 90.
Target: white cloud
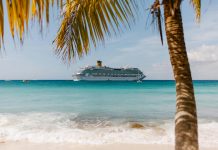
pixel 204 62
pixel 204 53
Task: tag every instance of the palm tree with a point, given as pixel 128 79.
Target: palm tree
pixel 88 22
pixel 186 130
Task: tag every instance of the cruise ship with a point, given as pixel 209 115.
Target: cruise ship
pixel 104 73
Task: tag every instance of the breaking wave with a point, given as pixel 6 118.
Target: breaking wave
pixel 70 128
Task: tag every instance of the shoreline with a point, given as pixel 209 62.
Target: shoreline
pixel 68 146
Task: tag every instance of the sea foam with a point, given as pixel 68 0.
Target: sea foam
pixel 69 128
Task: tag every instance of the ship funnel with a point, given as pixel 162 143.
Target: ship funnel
pixel 99 63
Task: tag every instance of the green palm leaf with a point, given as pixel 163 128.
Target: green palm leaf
pixel 87 22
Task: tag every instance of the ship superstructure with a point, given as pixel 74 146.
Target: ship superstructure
pixel 104 73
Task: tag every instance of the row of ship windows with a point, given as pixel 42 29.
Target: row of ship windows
pixel 114 75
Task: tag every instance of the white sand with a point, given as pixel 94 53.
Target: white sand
pixel 35 146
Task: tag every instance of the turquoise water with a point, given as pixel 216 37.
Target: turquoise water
pixel 77 111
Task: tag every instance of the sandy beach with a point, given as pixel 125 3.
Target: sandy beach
pixel 37 146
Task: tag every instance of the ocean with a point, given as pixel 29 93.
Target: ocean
pixel 100 112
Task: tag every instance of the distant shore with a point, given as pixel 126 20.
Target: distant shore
pixel 37 146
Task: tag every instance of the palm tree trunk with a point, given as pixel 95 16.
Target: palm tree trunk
pixel 186 129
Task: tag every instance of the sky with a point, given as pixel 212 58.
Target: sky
pixel 139 47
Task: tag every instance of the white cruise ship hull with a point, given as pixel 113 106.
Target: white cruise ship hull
pixel 104 78
pixel 103 73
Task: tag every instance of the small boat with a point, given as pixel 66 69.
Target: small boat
pixel 25 81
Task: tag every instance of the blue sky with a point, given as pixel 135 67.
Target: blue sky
pixel 139 47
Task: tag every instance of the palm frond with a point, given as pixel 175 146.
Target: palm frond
pixel 197 6
pixel 156 17
pixel 160 24
pixel 19 12
pixel 87 22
